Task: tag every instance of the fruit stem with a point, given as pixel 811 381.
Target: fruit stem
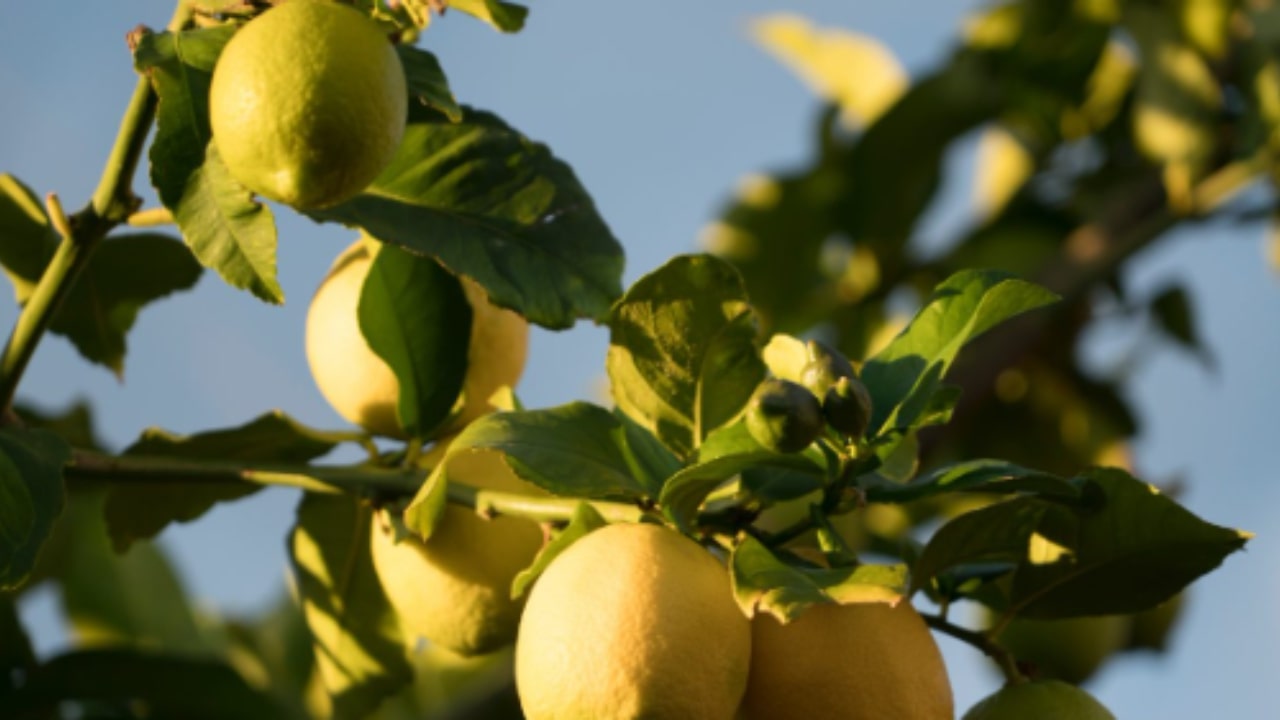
pixel 112 203
pixel 151 217
pixel 981 641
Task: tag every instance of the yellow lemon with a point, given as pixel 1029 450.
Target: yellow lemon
pixel 455 589
pixel 632 621
pixel 362 388
pixel 308 103
pixel 865 661
pixel 1039 700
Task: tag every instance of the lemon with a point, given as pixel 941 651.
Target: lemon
pixel 362 388
pixel 1071 649
pixel 860 661
pixel 455 589
pixel 308 103
pixel 632 621
pixel 1039 700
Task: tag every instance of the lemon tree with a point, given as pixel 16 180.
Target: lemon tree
pixel 782 498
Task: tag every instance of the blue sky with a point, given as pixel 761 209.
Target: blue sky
pixel 660 109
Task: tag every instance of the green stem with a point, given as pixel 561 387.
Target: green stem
pixel 981 641
pixel 541 509
pixel 112 203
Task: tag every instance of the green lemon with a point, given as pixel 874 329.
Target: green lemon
pixel 308 103
pixel 783 416
pixel 1039 700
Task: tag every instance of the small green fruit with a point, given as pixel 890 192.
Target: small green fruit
pixel 1039 700
pixel 824 369
pixel 847 407
pixel 783 416
pixel 1150 629
pixel 1071 650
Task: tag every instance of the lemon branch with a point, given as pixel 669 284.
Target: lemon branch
pixel 981 641
pixel 112 203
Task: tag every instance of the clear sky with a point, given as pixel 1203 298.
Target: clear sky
pixel 659 108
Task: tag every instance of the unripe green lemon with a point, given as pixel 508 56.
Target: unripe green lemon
pixel 632 621
pixel 362 388
pixel 308 103
pixel 1071 650
pixel 783 416
pixel 824 367
pixel 455 589
pixel 1039 700
pixel 847 407
pixel 866 660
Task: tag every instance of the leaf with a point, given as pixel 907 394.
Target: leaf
pixel 124 274
pixel 136 511
pixel 427 83
pixel 998 533
pixel 16 654
pixel 727 452
pixel 575 450
pixel 229 232
pixel 27 240
pixel 1139 550
pixel 31 497
pixel 585 519
pixel 1172 310
pixel 358 645
pixel 495 207
pixel 904 375
pixel 134 598
pixel 682 357
pixel 764 583
pixel 856 72
pixel 166 685
pixel 415 316
pixel 504 16
pixel 976 475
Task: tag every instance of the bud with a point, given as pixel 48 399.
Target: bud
pixel 825 367
pixel 783 416
pixel 847 407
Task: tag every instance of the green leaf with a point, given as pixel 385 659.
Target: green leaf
pixel 229 232
pixel 415 316
pixel 999 533
pixel 427 83
pixel 764 583
pixel 1139 550
pixel 134 598
pixel 1171 308
pixel 31 497
pixel 575 450
pixel 504 16
pixel 727 452
pixel 585 519
pixel 682 356
pixel 495 207
pixel 124 274
pixel 426 509
pixel 904 376
pixel 166 685
pixel 180 67
pixel 358 645
pixel 136 511
pixel 977 475
pixel 27 240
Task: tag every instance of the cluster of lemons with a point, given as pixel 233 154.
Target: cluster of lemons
pixel 633 620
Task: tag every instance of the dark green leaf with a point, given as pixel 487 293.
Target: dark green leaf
pixel 650 461
pixel 999 533
pixel 727 452
pixel 505 16
pixel 75 424
pixel 495 207
pixel 168 686
pixel 1172 310
pixel 976 475
pixel 585 519
pixel 427 83
pixel 134 598
pixel 904 376
pixel 773 484
pixel 1139 550
pixel 682 356
pixel 180 66
pixel 124 274
pixel 27 240
pixel 31 497
pixel 137 511
pixel 415 316
pixel 229 232
pixel 764 583
pixel 358 645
